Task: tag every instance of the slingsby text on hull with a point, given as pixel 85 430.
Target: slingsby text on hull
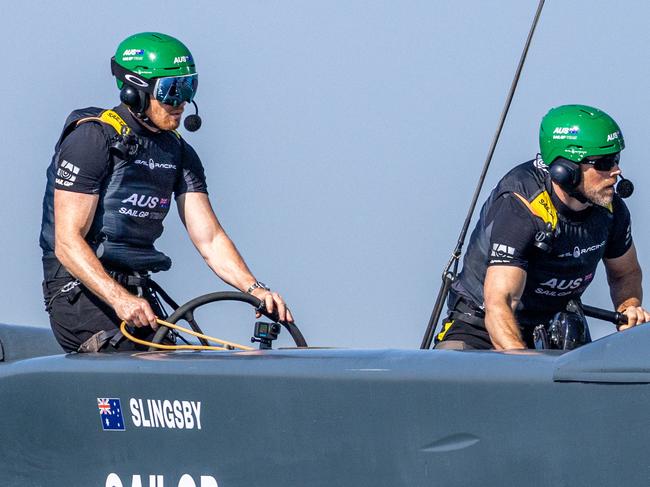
pixel 157 413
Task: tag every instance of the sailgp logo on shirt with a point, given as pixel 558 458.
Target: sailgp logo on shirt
pixel 540 164
pixel 66 174
pixel 151 164
pixel 501 253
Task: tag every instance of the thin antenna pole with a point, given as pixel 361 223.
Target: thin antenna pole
pixel 448 275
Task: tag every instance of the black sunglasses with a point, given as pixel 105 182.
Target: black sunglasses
pixel 603 163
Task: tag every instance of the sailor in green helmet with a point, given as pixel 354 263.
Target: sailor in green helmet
pixel 109 187
pixel 539 238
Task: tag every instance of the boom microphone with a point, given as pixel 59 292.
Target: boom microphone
pixel 193 122
pixel 624 188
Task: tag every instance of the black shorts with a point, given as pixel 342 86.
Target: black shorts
pixel 76 314
pixel 474 336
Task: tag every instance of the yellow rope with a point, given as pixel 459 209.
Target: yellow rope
pixel 226 345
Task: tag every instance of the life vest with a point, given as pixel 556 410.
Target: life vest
pixel 135 193
pixel 530 183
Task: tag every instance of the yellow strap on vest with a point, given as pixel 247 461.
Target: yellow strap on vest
pixel 542 207
pixel 112 118
pixel 109 117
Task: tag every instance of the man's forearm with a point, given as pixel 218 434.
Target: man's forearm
pixel 224 259
pixel 79 259
pixel 626 289
pixel 502 326
pixel 502 290
pixel 624 277
pixel 220 253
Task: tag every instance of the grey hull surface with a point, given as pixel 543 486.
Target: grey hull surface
pixel 310 417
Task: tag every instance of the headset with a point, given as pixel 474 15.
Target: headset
pixel 567 175
pixel 136 100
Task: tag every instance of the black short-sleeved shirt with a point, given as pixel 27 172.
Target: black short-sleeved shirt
pixel 515 227
pixel 134 192
pixel 583 239
pixel 505 235
pixel 86 148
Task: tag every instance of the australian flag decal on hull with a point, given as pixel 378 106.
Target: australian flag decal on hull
pixel 110 412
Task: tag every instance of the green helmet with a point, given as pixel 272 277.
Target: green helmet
pixel 148 55
pixel 578 131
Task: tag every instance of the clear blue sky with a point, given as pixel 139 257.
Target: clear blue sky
pixel 342 139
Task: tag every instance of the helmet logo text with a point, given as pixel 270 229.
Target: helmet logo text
pixel 566 132
pixel 181 59
pixel 613 136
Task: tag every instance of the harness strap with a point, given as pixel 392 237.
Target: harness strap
pixel 467 312
pixel 130 280
pixel 96 342
pixel 542 207
pixel 109 117
pixel 112 118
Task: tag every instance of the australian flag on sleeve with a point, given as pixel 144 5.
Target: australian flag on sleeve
pixel 110 412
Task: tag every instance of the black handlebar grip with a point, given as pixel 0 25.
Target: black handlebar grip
pixel 605 315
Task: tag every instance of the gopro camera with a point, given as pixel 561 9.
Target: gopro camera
pixel 265 333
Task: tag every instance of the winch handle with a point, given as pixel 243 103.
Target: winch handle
pixel 605 315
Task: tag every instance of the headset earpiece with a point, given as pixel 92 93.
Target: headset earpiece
pixel 135 99
pixel 565 173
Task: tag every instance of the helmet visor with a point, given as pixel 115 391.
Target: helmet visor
pixel 174 90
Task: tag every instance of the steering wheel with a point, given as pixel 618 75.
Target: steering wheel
pixel 186 311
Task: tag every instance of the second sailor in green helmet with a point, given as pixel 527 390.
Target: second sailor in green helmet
pixel 540 236
pixel 109 187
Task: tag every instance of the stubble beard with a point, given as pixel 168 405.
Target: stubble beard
pixel 169 124
pixel 601 197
